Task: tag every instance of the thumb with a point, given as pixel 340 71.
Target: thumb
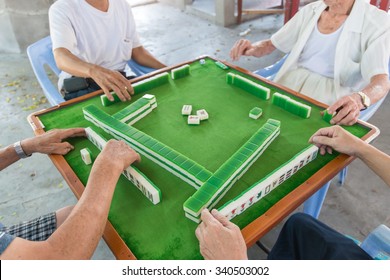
pixel 221 218
pixel 250 52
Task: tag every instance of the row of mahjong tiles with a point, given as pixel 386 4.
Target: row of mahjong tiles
pixel 231 171
pixel 283 101
pixel 174 162
pixel 135 176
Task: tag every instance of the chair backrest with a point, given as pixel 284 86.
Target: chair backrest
pixel 377 243
pixel 381 4
pixel 40 54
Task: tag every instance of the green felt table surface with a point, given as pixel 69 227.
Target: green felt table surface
pixel 162 231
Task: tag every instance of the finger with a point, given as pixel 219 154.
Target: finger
pixel 350 119
pixel 329 150
pixel 221 218
pixel 343 113
pixel 337 106
pixel 130 88
pixel 238 49
pixel 235 50
pixel 207 218
pixel 326 131
pixel 322 150
pixel 123 85
pixel 138 159
pixel 323 140
pixel 250 52
pixel 72 132
pixel 61 148
pixel 199 232
pixel 107 93
pixel 118 92
pixel 242 49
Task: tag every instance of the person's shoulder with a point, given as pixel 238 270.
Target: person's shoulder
pixel 122 4
pixel 313 6
pixel 379 14
pixel 379 18
pixel 63 5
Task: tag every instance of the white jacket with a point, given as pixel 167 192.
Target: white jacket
pixel 363 49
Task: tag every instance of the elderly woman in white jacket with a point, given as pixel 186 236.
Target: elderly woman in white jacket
pixel 338 54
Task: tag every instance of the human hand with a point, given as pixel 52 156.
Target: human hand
pixel 347 108
pixel 220 239
pixel 112 80
pixel 242 47
pixel 118 154
pixel 51 142
pixel 336 138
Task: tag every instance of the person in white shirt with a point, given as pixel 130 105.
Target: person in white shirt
pixel 95 39
pixel 338 54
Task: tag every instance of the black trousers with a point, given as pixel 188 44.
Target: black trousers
pixel 92 86
pixel 305 238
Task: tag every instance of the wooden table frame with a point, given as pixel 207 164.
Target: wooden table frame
pixel 256 229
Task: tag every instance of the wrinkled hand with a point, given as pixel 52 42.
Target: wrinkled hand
pixel 112 80
pixel 219 239
pixel 118 153
pixel 347 108
pixel 336 138
pixel 51 142
pixel 240 48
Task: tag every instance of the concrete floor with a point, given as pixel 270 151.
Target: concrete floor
pixel 33 186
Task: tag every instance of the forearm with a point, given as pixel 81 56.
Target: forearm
pixel 79 235
pixel 263 48
pixel 68 62
pixel 7 157
pixel 376 160
pixel 378 87
pixel 145 58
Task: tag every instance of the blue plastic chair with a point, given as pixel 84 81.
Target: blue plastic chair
pixel 377 243
pixel 40 54
pixel 313 205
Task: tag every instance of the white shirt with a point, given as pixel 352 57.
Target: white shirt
pixel 362 51
pixel 318 55
pixel 102 38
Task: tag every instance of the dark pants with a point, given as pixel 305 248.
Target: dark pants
pixel 92 86
pixel 305 238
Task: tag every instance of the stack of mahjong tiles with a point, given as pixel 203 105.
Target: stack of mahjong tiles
pixel 137 109
pixel 291 105
pixel 140 87
pixel 135 176
pixel 220 182
pixel 176 163
pixel 180 72
pixel 248 85
pixel 263 187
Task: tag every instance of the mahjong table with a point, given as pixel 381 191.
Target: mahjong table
pixel 139 229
